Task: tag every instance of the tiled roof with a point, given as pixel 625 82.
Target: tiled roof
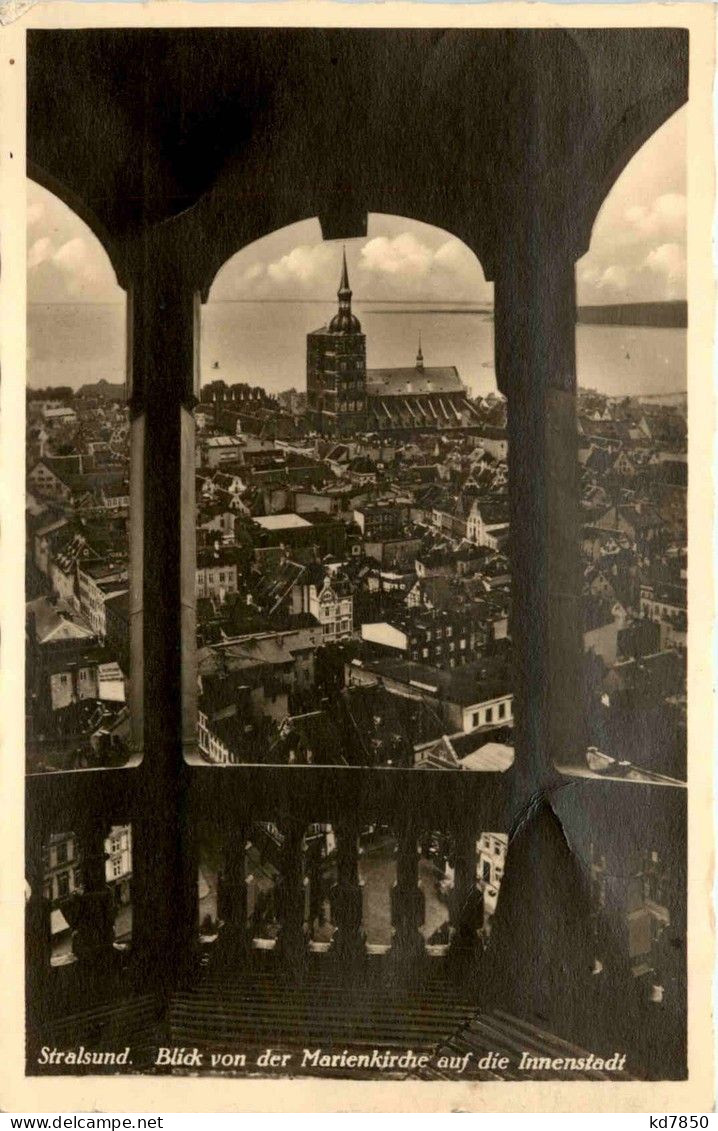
pixel 400 382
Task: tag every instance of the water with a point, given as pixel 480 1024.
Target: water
pixel 264 344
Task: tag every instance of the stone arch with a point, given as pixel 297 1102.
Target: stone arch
pixel 624 140
pixel 81 209
pixel 331 232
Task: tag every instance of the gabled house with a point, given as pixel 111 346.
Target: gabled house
pixel 488 521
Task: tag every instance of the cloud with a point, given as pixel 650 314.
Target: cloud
pixel 403 255
pixel 614 278
pixel 665 218
pixel 659 276
pixel 77 267
pixel 405 260
pixel 253 272
pixel 78 261
pixel 637 254
pixel 416 263
pixel 40 252
pixel 644 212
pixel 72 256
pixel 65 261
pixel 35 213
pixel 306 265
pixel 668 261
pixel 456 256
pixel 408 266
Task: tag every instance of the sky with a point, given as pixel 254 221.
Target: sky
pixel 637 250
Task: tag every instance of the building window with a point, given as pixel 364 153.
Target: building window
pixel 475 719
pixel 502 710
pixel 63 885
pixel 489 714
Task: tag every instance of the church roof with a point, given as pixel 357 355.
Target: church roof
pixel 410 380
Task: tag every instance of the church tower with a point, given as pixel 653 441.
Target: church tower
pixel 336 369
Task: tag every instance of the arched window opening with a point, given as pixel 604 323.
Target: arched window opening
pixel 632 413
pixel 631 284
pixel 632 417
pixel 77 446
pixel 352 577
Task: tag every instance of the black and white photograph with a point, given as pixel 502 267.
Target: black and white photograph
pixel 356 685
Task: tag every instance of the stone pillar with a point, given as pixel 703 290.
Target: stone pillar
pixel 407 903
pixel 467 902
pixel 535 313
pixel 162 378
pixel 91 913
pixel 232 895
pixel 346 898
pixel 292 940
pixel 538 939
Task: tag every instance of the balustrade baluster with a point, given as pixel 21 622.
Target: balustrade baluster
pixel 292 941
pixel 38 937
pixel 91 912
pixel 466 904
pixel 407 901
pixel 346 897
pixel 232 894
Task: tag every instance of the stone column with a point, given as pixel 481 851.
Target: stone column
pixel 292 940
pixel 346 898
pixel 542 920
pixel 467 903
pixel 535 313
pixel 232 895
pixel 407 904
pixel 162 378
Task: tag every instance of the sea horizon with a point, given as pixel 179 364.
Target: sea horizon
pixel 263 342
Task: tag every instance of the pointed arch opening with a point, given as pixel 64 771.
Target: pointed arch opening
pixel 78 496
pixel 351 504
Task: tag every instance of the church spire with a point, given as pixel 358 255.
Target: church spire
pixel 344 322
pixel 344 291
pixel 419 356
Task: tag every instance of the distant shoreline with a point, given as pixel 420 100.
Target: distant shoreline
pixel 487 311
pixel 668 315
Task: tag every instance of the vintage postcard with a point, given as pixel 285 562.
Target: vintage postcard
pixel 357 547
